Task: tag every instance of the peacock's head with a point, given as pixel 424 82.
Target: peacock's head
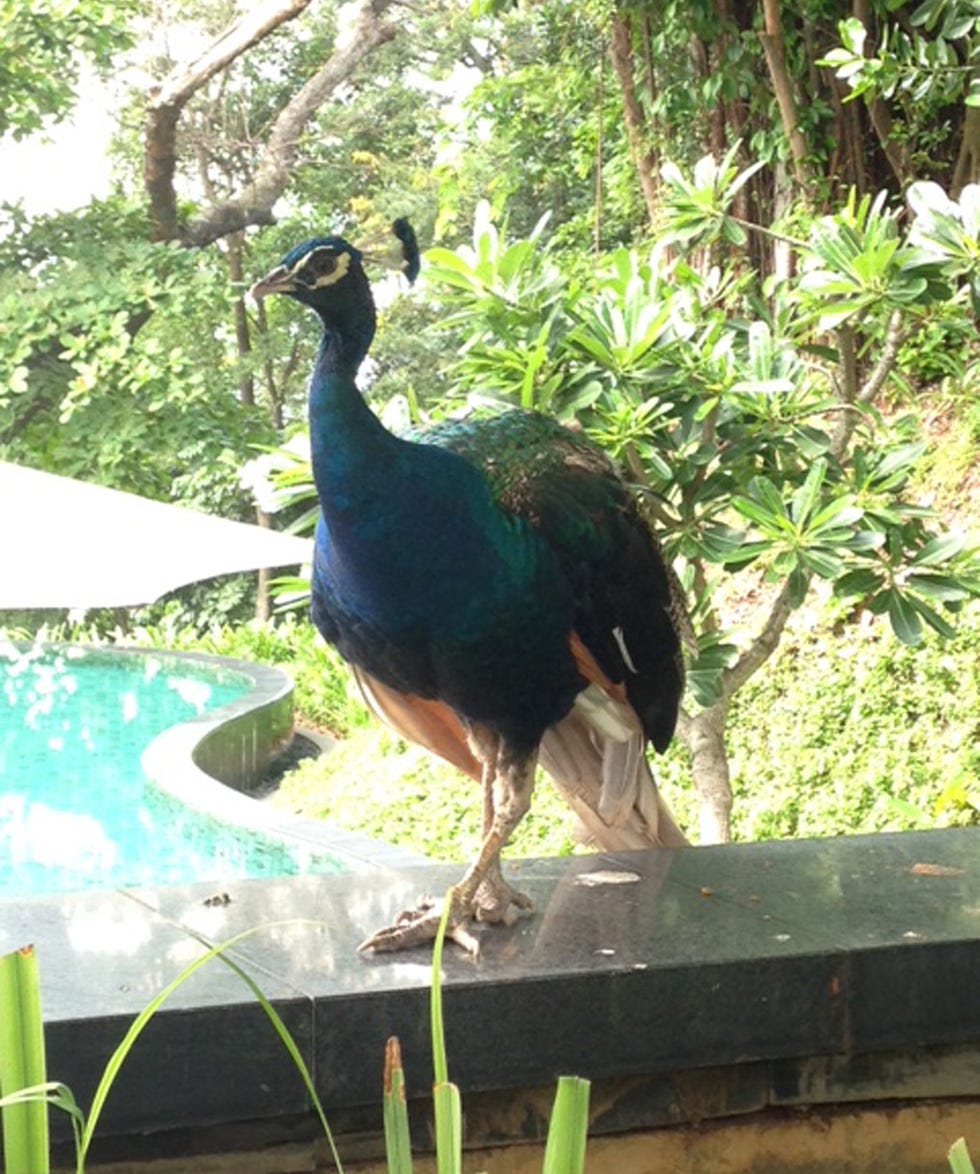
pixel 313 272
pixel 319 270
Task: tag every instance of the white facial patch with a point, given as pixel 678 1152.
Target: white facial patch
pixel 320 268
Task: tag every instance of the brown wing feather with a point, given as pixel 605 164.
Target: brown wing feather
pixel 430 723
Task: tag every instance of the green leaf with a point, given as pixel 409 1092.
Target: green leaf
pixel 904 617
pixel 959 1158
pixel 448 1113
pixel 753 510
pixel 806 497
pixel 939 550
pixel 22 1065
pixel 568 1129
pixel 398 1142
pixel 862 581
pixel 799 585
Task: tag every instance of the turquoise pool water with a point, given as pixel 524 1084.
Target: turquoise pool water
pixel 75 809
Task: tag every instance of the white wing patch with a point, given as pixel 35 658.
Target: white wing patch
pixel 621 641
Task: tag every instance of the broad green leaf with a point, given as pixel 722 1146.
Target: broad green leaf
pixel 806 497
pixel 904 617
pixel 939 550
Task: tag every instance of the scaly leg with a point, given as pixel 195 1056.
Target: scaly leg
pixel 482 892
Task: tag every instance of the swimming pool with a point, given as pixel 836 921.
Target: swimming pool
pixel 76 808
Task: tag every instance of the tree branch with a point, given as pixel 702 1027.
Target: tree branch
pixel 168 99
pixel 253 204
pixel 762 647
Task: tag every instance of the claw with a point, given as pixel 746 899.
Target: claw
pixel 418 926
pixel 494 901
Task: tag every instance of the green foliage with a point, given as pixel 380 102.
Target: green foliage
pixel 852 731
pixel 725 406
pixel 928 63
pixel 43 45
pixel 376 783
pixel 100 325
pixel 541 119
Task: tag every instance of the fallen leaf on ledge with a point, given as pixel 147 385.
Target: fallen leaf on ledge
pixel 923 869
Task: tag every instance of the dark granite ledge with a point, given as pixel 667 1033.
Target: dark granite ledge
pixel 792 964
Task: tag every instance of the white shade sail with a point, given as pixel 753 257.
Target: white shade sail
pixel 71 544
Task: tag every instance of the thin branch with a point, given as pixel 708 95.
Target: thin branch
pixel 762 647
pixel 254 203
pixel 894 337
pixel 168 99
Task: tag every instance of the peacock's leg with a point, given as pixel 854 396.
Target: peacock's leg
pixel 482 893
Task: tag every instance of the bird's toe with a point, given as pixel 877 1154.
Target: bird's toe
pixel 497 901
pixel 419 926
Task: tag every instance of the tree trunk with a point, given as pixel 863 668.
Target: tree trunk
pixel 704 736
pixel 243 337
pixel 262 606
pixel 621 52
pixel 967 168
pixel 772 44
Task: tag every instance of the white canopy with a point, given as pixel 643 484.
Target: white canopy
pixel 71 544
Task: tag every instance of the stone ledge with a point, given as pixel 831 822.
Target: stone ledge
pixel 718 982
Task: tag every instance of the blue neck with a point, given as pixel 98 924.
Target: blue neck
pixel 346 438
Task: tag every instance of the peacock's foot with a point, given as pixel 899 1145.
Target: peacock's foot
pixel 416 927
pixel 497 901
pixel 494 901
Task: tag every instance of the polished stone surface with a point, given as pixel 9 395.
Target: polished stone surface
pixel 638 965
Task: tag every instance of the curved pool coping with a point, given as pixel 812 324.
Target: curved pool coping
pixel 210 762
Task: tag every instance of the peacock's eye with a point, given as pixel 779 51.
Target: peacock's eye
pixel 322 267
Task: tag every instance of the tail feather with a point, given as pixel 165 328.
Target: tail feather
pixel 595 757
pixel 609 786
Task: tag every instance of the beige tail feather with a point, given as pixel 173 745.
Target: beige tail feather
pixel 585 766
pixel 595 757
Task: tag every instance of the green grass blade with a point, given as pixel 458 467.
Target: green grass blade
pixel 115 1061
pixel 959 1158
pixel 445 1096
pixel 567 1132
pixel 398 1142
pixel 57 1096
pixel 440 1068
pixel 25 1119
pixel 449 1129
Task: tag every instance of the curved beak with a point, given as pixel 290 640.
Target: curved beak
pixel 278 280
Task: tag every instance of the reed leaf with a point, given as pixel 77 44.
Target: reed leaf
pixel 959 1158
pixel 22 1066
pixel 569 1127
pixel 398 1143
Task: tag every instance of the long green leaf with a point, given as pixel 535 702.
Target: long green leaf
pixel 115 1061
pixel 959 1158
pixel 449 1128
pixel 440 1069
pixel 569 1127
pixel 398 1142
pixel 445 1096
pixel 25 1121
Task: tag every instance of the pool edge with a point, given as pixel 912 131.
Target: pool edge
pixel 208 763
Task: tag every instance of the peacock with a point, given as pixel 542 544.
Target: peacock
pixel 497 593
